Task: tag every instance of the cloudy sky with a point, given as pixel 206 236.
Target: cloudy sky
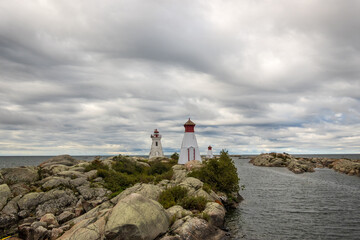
pixel 96 77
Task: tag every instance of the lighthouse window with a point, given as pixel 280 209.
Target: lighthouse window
pixel 156 143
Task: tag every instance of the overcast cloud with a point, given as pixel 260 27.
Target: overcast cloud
pixel 97 77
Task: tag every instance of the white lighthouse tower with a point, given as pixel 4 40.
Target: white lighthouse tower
pixel 209 152
pixel 156 148
pixel 189 147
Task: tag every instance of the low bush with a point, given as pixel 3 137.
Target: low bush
pixel 126 172
pixel 172 196
pixel 220 174
pixel 96 165
pixel 175 156
pixel 194 203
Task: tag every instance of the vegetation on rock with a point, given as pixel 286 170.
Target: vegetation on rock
pixel 219 174
pixel 126 171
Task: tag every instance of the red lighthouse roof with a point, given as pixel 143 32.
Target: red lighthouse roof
pixel 156 131
pixel 189 126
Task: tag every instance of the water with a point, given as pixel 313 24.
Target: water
pixel 282 205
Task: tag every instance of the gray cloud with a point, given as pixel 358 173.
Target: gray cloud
pixel 87 77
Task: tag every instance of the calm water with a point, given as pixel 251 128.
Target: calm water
pixel 282 205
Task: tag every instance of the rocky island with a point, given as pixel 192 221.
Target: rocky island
pixel 117 198
pixel 301 165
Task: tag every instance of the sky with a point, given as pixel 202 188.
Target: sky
pixel 97 77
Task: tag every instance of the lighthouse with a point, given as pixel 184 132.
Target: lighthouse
pixel 189 147
pixel 209 152
pixel 156 148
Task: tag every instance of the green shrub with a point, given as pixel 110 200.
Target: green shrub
pixel 206 187
pixel 175 156
pixel 159 168
pixel 96 165
pixel 125 165
pixel 220 174
pixel 115 181
pixel 172 196
pixel 166 175
pixel 194 203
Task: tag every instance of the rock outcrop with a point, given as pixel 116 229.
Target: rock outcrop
pixel 301 165
pixel 64 199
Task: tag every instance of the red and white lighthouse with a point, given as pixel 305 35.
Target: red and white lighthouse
pixel 189 147
pixel 156 148
pixel 209 152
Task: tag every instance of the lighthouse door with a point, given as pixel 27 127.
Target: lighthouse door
pixel 191 153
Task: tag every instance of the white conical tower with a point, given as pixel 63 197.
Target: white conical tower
pixel 189 147
pixel 209 152
pixel 156 148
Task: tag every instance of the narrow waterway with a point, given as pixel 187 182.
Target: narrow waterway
pixel 282 205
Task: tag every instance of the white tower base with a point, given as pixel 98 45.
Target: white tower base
pixel 189 149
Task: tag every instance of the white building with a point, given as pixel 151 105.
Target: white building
pixel 189 147
pixel 209 152
pixel 156 148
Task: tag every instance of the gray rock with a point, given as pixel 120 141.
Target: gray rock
pixel 136 217
pixel 7 220
pixel 147 190
pixel 192 183
pixel 77 169
pixel 216 212
pixel 177 211
pixel 193 228
pixel 90 193
pixel 19 189
pixel 20 174
pixel 1 179
pixel 55 201
pixel 66 160
pixel 12 207
pixel 55 182
pixel 41 233
pixel 30 201
pixel 87 229
pixel 37 224
pixel 24 213
pixel 5 194
pixel 71 174
pixel 65 216
pixel 79 181
pixel 91 174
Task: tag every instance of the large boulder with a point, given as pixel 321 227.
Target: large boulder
pixel 20 174
pixel 193 228
pixel 216 212
pixel 5 194
pixel 66 160
pixel 136 217
pixel 147 190
pixel 179 173
pixel 55 182
pixel 177 212
pixel 53 201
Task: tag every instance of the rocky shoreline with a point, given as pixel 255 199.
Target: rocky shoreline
pixel 63 199
pixel 301 165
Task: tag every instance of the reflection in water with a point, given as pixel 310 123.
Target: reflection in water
pixel 282 205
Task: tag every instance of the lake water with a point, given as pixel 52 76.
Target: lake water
pixel 282 205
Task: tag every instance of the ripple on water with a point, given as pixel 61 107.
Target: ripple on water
pixel 281 205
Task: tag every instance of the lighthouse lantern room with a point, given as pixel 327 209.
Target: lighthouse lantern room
pixel 189 147
pixel 156 148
